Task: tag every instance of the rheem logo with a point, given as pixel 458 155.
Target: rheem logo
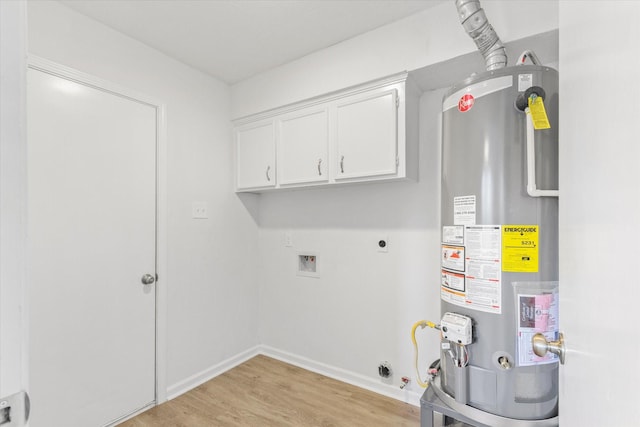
pixel 465 103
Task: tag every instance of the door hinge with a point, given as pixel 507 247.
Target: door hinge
pixel 14 410
pixel 397 102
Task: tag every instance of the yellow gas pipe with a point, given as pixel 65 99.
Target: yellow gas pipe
pixel 423 324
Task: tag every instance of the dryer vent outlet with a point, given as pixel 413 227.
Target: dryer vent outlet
pixel 384 370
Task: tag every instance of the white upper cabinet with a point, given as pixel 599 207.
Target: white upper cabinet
pixel 303 144
pixel 364 133
pixel 255 156
pixel 367 135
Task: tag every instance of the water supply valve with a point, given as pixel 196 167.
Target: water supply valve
pixel 404 381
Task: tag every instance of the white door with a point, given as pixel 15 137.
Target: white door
pixel 599 212
pixel 13 202
pixel 91 238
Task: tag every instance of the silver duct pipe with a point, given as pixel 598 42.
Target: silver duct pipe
pixel 475 23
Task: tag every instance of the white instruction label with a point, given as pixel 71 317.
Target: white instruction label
pixel 453 234
pixel 475 283
pixel 452 257
pixel 464 210
pixel 525 81
pixel 454 282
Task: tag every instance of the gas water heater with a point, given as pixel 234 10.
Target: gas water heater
pixel 499 264
pixel 499 242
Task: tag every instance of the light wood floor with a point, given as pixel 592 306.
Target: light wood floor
pixel 266 392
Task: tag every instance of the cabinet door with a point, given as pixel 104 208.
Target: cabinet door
pixel 302 147
pixel 366 134
pixel 256 156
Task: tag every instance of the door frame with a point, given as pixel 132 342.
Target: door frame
pixel 13 199
pixel 53 68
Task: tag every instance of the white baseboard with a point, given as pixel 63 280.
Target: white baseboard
pixel 358 380
pixel 202 377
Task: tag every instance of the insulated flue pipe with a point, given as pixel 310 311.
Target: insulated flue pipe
pixel 477 25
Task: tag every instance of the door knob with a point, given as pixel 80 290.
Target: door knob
pixel 148 279
pixel 541 346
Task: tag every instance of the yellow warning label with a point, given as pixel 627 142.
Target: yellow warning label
pixel 538 113
pixel 520 248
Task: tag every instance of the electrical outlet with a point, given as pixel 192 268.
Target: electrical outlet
pixel 199 210
pixel 288 239
pixel 383 244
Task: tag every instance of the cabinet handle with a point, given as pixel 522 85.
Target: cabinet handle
pixel 319 170
pixel 268 177
pixel 342 164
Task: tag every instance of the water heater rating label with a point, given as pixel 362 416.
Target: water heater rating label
pixel 520 248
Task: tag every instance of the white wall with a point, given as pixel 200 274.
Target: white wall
pixel 212 295
pixel 361 310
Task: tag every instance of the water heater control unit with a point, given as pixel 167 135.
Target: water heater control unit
pixel 456 328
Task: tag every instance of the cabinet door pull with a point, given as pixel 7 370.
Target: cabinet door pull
pixel 342 164
pixel 319 170
pixel 268 177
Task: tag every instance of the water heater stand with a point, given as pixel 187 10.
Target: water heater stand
pixel 436 403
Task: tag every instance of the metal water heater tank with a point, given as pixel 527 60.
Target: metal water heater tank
pixel 499 244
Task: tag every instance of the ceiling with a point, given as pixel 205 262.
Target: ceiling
pixel 236 39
